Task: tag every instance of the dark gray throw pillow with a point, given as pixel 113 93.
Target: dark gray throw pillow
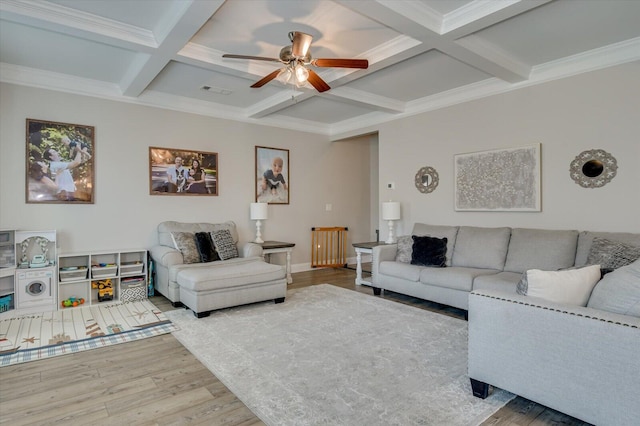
pixel 207 251
pixel 429 251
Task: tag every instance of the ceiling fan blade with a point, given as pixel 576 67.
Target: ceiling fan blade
pixel 257 58
pixel 317 82
pixel 266 79
pixel 301 43
pixel 341 63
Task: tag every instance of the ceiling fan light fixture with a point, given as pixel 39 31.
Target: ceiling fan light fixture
pixel 302 74
pixel 285 75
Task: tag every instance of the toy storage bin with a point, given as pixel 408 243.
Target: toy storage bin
pixel 133 290
pixel 104 271
pixel 73 274
pixel 5 302
pixel 131 268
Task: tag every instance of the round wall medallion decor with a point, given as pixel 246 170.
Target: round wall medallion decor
pixel 427 180
pixel 593 169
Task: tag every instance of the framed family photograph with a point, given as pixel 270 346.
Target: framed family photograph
pixel 499 180
pixel 182 172
pixel 272 175
pixel 60 160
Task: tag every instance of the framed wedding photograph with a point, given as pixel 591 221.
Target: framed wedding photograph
pixel 272 175
pixel 60 160
pixel 506 180
pixel 183 172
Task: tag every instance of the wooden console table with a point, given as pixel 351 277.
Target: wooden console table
pixel 363 248
pixel 271 247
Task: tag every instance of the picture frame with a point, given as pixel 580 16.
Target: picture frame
pixel 196 175
pixel 272 175
pixel 499 180
pixel 60 160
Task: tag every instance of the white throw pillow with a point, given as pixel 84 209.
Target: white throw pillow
pixel 571 286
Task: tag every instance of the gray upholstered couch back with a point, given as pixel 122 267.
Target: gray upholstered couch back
pixel 517 249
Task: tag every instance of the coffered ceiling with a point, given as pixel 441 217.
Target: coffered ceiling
pixel 423 54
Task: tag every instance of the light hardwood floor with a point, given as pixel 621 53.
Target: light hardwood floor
pixel 156 381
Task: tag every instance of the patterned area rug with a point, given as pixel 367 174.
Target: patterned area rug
pixel 330 356
pixel 36 336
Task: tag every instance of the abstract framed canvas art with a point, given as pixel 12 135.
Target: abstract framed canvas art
pixel 59 162
pixel 498 180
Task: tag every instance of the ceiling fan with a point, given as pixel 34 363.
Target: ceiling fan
pixel 296 59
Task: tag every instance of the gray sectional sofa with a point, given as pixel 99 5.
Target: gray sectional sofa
pixel 482 259
pixel 581 360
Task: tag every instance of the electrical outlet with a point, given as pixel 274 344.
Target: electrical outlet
pixel 328 207
pixel 391 185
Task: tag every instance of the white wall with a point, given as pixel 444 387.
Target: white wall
pixel 124 215
pixel 594 110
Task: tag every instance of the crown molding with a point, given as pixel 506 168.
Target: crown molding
pixel 66 20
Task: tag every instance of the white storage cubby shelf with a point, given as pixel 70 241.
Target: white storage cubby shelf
pixel 102 277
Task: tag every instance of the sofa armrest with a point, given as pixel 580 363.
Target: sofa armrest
pixel 166 256
pixel 251 250
pixel 380 254
pixel 580 361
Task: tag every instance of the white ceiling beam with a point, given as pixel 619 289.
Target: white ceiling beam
pixel 365 99
pixel 176 34
pixel 406 18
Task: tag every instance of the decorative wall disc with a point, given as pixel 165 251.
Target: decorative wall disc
pixel 593 169
pixel 427 180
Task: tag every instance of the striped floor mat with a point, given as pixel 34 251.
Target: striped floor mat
pixel 31 337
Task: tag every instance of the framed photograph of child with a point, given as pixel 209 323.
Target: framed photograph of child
pixel 60 160
pixel 272 175
pixel 181 172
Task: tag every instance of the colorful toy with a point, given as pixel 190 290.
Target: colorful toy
pixel 105 289
pixel 72 302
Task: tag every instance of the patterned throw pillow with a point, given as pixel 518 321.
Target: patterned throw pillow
pixel 403 254
pixel 612 254
pixel 204 243
pixel 225 246
pixel 186 243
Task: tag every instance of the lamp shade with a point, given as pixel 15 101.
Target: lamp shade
pixel 391 210
pixel 259 211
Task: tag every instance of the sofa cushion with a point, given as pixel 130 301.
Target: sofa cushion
pixel 405 248
pixel 400 270
pixel 438 231
pixel 544 249
pixel 481 247
pixel 429 251
pixel 611 254
pixel 186 243
pixel 503 281
pixel 224 244
pixel 227 275
pixel 586 239
pixel 205 246
pixel 455 277
pixel 174 270
pixel 619 291
pixel 572 286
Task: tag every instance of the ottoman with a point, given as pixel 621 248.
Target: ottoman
pixel 206 289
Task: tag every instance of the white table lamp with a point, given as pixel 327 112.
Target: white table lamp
pixel 391 212
pixel 258 213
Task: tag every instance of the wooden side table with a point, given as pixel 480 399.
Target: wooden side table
pixel 364 248
pixel 271 247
